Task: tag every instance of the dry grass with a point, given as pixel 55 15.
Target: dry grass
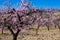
pixel 44 34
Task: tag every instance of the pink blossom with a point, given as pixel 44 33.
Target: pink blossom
pixel 14 20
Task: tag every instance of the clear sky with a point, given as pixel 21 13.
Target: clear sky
pixel 36 3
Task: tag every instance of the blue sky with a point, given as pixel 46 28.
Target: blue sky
pixel 36 3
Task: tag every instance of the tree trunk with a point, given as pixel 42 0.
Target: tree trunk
pixel 47 27
pixel 55 26
pixel 14 34
pixel 2 29
pixel 59 27
pixel 15 37
pixel 37 29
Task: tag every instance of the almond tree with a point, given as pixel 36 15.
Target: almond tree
pixel 19 22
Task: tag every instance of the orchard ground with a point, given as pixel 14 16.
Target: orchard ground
pixel 43 34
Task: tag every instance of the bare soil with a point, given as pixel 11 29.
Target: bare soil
pixel 43 34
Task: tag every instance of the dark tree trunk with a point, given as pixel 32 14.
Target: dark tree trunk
pixel 2 29
pixel 37 29
pixel 59 27
pixel 55 26
pixel 14 34
pixel 15 37
pixel 47 27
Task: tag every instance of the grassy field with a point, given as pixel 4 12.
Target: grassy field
pixel 44 34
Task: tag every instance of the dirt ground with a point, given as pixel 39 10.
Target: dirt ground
pixel 44 34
